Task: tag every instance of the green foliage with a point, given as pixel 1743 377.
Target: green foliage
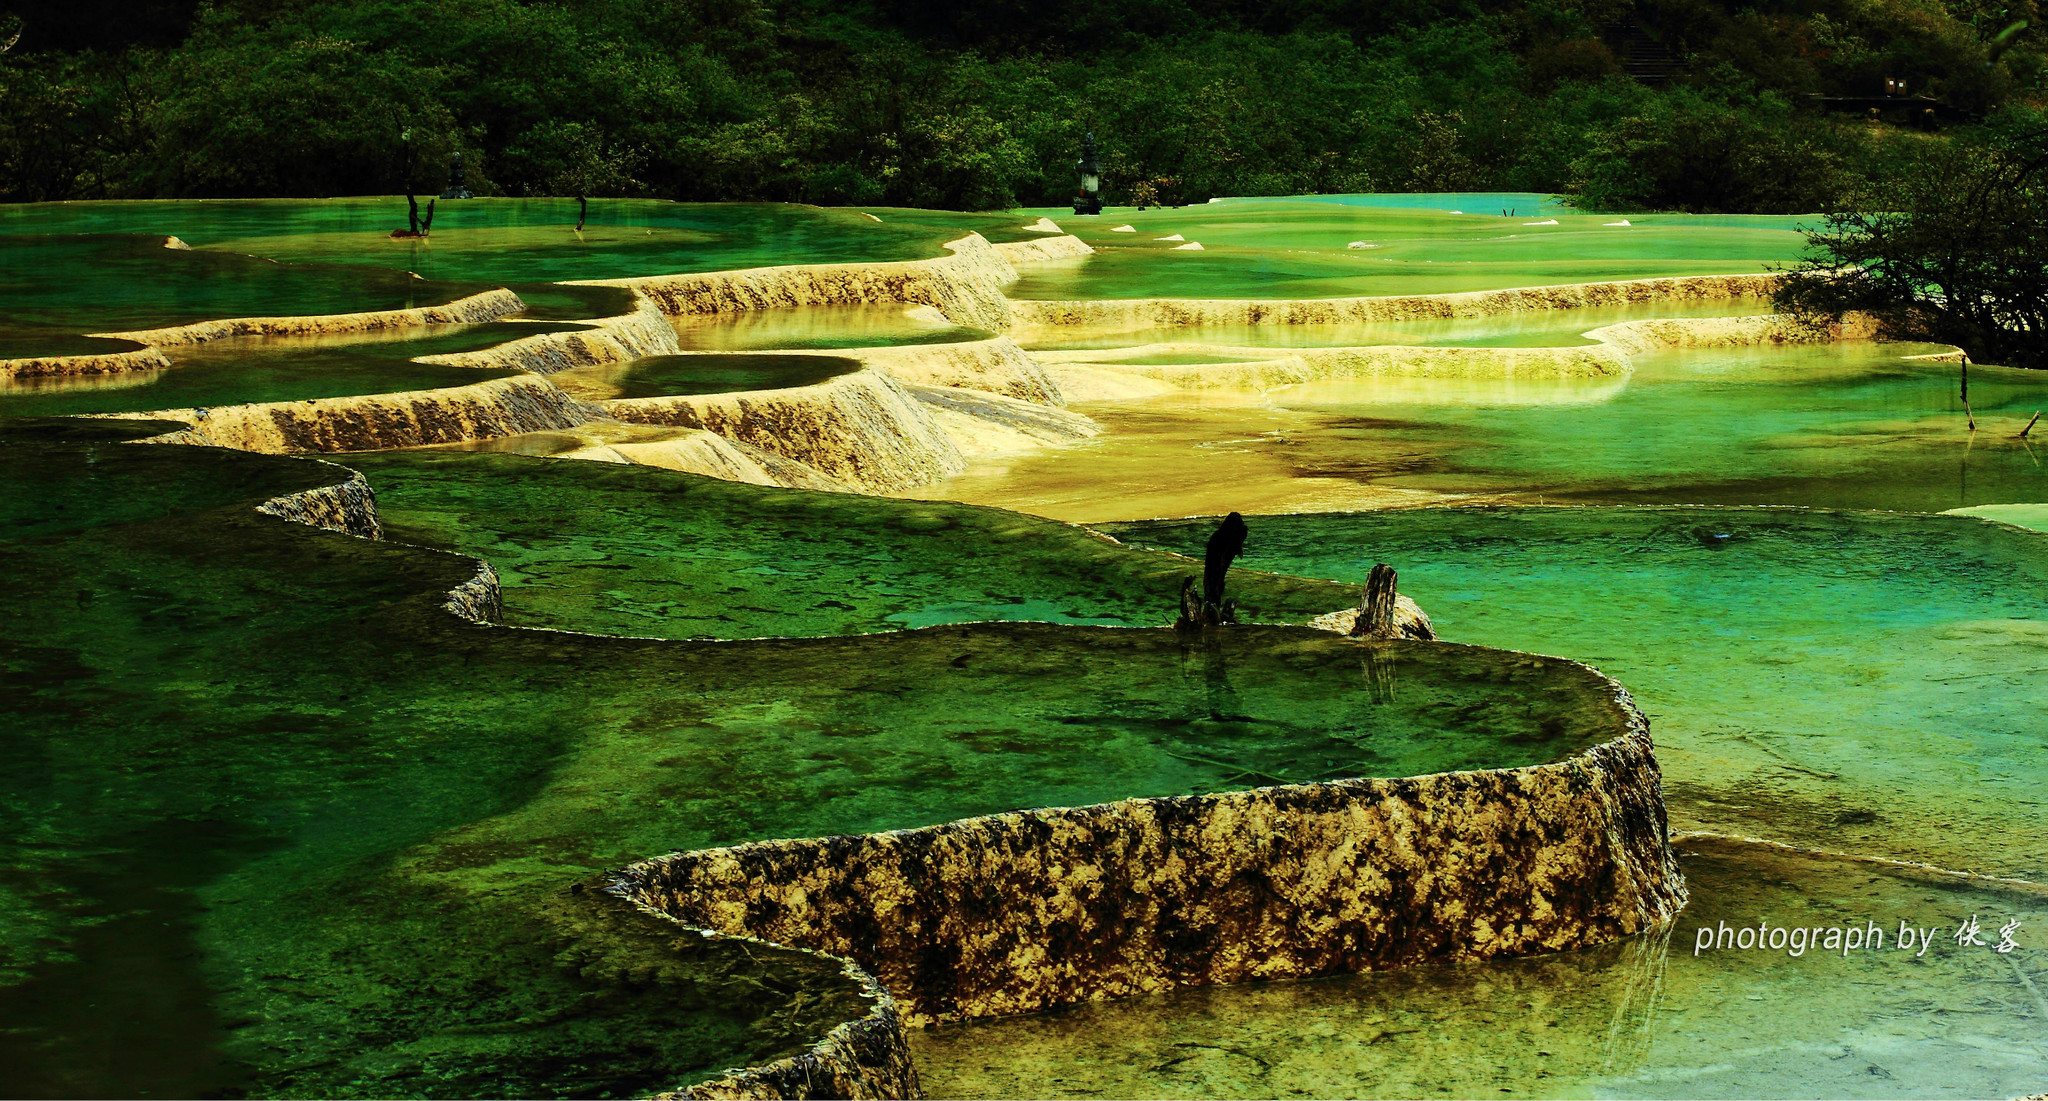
pixel 1956 252
pixel 982 103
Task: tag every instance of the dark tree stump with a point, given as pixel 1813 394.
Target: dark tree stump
pixel 1376 607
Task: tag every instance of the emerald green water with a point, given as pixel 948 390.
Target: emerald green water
pixel 242 370
pixel 665 376
pixel 267 834
pixel 637 551
pixel 501 241
pixel 1863 682
pixel 1298 248
pixel 1640 1018
pixel 53 288
pixel 1835 426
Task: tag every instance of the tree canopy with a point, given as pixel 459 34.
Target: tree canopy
pixel 981 103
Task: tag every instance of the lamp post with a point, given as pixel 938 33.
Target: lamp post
pixel 1088 200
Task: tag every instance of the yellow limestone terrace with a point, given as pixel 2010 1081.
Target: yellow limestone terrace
pixel 641 331
pixel 1014 912
pixel 134 359
pixel 1146 313
pixel 965 286
pixel 1064 247
pixel 864 430
pixel 487 306
pixel 497 407
pixel 1094 374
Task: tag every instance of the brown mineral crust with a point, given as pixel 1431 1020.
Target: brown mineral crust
pixel 134 359
pixel 862 429
pixel 867 1058
pixel 349 507
pixel 641 332
pixel 1014 912
pixel 997 365
pixel 487 306
pixel 1148 312
pixel 965 286
pixel 497 407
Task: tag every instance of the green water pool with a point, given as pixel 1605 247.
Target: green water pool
pixel 666 376
pixel 269 831
pixel 1293 248
pixel 243 370
pixel 501 240
pixel 53 288
pixel 1641 1018
pixel 1864 682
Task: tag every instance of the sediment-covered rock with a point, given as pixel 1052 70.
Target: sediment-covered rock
pixel 1730 332
pixel 1064 247
pixel 348 506
pixel 645 331
pixel 864 1058
pixel 863 430
pixel 488 306
pixel 696 451
pixel 1290 366
pixel 998 366
pixel 1410 621
pixel 1145 313
pixel 481 599
pixel 1014 912
pixel 965 286
pixel 105 363
pixel 981 423
pixel 497 407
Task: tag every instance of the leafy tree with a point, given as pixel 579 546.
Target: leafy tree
pixel 1957 252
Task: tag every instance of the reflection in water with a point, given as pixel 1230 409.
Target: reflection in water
pixel 1642 1018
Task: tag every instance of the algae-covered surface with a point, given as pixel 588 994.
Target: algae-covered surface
pixel 1302 248
pixel 1644 1017
pixel 279 823
pixel 1865 682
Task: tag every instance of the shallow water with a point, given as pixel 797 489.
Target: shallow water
pixel 1835 426
pixel 1299 248
pixel 1641 1018
pixel 243 370
pixel 1745 634
pixel 53 288
pixel 666 376
pixel 500 240
pixel 313 835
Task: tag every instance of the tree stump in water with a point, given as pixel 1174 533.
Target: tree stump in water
pixel 1376 607
pixel 1208 608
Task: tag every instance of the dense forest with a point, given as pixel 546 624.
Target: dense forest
pixel 1705 105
